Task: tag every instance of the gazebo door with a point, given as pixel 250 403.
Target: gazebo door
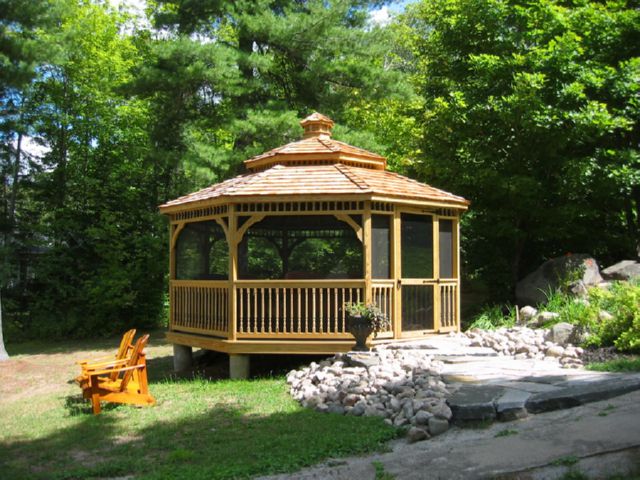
pixel 417 281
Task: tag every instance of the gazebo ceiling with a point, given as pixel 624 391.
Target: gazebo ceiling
pixel 316 165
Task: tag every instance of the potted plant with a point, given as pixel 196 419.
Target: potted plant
pixel 362 321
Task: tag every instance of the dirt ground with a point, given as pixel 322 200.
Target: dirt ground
pixel 38 367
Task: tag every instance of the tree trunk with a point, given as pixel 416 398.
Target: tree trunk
pixel 15 182
pixel 3 352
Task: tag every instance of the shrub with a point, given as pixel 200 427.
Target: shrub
pixel 571 309
pixel 493 316
pixel 622 301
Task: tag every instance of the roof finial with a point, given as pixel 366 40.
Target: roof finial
pixel 317 125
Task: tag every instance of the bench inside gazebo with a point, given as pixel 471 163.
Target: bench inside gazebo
pixel 264 262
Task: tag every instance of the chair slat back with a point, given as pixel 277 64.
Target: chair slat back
pixel 126 344
pixel 134 360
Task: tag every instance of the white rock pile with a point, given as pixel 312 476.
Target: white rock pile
pixel 402 386
pixel 524 342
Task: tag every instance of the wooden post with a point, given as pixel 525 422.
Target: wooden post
pixel 457 268
pixel 366 250
pixel 173 232
pixel 437 300
pixel 233 271
pixel 396 273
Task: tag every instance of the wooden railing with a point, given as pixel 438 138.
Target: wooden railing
pixel 448 305
pixel 295 308
pixel 382 295
pixel 287 309
pixel 200 306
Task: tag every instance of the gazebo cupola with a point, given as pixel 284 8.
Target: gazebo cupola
pixel 317 125
pixel 264 262
pixel 317 148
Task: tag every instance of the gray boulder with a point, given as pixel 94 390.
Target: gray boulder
pixel 533 289
pixel 415 434
pixel 437 426
pixel 527 313
pixel 560 333
pixel 624 270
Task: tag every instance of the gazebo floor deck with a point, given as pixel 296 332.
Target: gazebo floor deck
pixel 274 346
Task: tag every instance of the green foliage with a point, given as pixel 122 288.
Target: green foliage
pixel 531 112
pixel 381 474
pixel 621 301
pixel 91 258
pixel 506 433
pixel 574 475
pixel 617 365
pixel 232 79
pixel 371 313
pixel 566 461
pixel 571 309
pixel 623 329
pixel 493 317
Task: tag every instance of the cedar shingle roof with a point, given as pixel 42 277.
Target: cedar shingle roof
pixel 317 165
pixel 310 148
pixel 303 180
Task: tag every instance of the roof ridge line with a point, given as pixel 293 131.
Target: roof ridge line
pixel 352 176
pixel 427 184
pixel 360 149
pixel 328 142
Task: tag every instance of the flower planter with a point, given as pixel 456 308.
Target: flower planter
pixel 360 327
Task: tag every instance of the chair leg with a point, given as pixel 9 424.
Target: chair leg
pixel 95 403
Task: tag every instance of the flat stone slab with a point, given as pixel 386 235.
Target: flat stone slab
pixel 361 359
pixel 492 390
pixel 546 379
pixel 579 394
pixel 529 387
pixel 511 404
pixel 474 403
pixel 451 359
pixel 443 346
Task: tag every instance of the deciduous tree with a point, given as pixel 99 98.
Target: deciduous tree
pixel 532 113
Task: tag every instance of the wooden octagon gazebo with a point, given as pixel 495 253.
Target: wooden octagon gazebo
pixel 264 262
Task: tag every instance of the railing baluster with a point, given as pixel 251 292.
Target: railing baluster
pixel 262 310
pixel 298 329
pixel 270 312
pixel 313 311
pixel 277 310
pixel 240 299
pixel 335 310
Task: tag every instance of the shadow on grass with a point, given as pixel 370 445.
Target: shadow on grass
pixel 215 366
pixel 210 438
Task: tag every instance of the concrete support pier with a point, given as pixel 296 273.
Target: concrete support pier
pixel 239 366
pixel 182 358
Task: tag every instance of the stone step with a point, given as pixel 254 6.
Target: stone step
pixel 508 401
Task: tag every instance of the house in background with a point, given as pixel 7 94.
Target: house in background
pixel 264 262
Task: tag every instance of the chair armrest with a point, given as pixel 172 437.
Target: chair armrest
pixel 103 365
pixel 97 373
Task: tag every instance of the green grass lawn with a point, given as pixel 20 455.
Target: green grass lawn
pixel 199 429
pixel 631 364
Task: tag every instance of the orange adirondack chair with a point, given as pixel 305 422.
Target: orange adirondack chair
pixel 121 356
pixel 129 385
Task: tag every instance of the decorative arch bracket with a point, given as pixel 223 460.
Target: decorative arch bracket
pixel 243 229
pixel 176 233
pixel 343 217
